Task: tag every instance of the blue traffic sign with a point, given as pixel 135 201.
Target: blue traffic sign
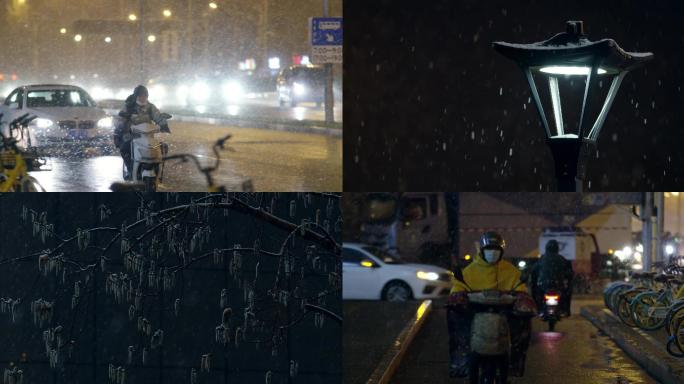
pixel 326 31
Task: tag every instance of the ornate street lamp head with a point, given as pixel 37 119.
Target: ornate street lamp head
pixel 571 56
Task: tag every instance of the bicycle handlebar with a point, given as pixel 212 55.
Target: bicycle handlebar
pixel 218 144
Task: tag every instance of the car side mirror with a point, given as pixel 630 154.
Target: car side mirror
pixel 14 106
pixel 367 263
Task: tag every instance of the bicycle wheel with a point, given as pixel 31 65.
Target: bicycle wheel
pixel 624 308
pixel 608 290
pixel 673 351
pixel 675 312
pixel 647 312
pixel 30 184
pixel 678 334
pixel 615 296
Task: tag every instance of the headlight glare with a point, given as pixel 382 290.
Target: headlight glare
pixel 432 276
pixel 43 123
pixel 105 122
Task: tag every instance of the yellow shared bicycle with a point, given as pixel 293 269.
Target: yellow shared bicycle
pixel 15 163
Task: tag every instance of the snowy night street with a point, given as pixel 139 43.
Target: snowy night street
pixel 91 86
pixel 523 287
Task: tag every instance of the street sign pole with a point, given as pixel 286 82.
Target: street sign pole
pixel 329 96
pixel 326 49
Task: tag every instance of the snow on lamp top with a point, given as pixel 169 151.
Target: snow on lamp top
pixel 572 53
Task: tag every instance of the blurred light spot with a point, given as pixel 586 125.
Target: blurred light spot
pixel 233 110
pixel 299 113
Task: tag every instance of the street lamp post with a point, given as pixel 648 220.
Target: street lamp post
pixel 142 41
pixel 567 56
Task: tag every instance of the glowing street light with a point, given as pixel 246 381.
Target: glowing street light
pixel 669 249
pixel 571 57
pixel 213 5
pixel 78 38
pixel 167 13
pixel 132 17
pixel 151 38
pixel 108 39
pixel 63 31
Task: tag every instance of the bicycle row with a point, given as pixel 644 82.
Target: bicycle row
pixel 650 301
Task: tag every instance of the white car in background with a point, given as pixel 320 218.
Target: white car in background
pixel 65 113
pixel 369 273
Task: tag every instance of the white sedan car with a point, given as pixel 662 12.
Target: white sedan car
pixel 371 274
pixel 65 113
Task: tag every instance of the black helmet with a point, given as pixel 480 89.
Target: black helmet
pixel 140 90
pixel 492 240
pixel 552 246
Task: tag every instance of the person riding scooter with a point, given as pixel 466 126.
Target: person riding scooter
pixel 552 272
pixel 488 271
pixel 137 110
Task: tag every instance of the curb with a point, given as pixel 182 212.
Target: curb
pixel 640 346
pixel 392 358
pixel 243 123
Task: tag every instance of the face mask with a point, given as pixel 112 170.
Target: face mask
pixel 492 255
pixel 140 104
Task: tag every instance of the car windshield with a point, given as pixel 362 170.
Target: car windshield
pixel 313 73
pixel 58 98
pixel 384 256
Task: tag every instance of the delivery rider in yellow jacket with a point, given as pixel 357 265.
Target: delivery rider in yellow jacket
pixel 488 271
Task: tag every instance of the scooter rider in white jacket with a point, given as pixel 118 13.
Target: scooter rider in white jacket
pixel 137 110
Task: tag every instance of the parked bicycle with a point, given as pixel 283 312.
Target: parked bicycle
pixel 207 171
pixel 15 162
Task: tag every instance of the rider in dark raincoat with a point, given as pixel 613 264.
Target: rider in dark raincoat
pixel 552 272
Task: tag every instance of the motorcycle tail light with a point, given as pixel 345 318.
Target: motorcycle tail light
pixel 551 299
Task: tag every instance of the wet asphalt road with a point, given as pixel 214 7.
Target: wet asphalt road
pixel 273 160
pixel 577 353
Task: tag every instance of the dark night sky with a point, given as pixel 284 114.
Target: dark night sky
pixel 424 111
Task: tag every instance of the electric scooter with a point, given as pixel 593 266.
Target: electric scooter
pixel 147 155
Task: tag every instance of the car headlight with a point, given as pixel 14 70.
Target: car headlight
pixel 158 92
pixel 105 122
pixel 43 123
pixel 233 91
pixel 200 91
pixel 299 89
pixel 432 276
pixel 182 93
